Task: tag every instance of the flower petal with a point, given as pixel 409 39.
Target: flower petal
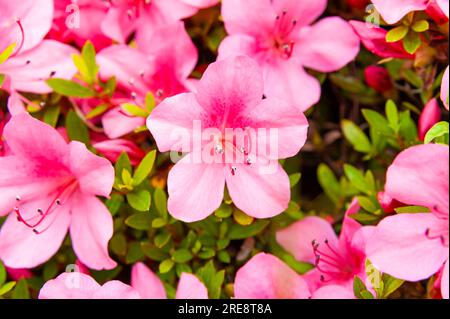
pixel 393 11
pixel 267 277
pixel 333 292
pixel 444 88
pixel 116 290
pixel 69 285
pixel 444 281
pixel 146 282
pixel 190 287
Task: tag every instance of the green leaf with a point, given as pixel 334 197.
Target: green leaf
pixel 241 232
pixel 166 266
pixel 182 256
pixel 99 110
pixel 134 110
pixel 392 115
pixel 162 239
pixel 88 54
pixel 134 253
pixel 76 129
pixel 420 26
pixel 150 102
pixel 51 115
pixel 7 53
pixel 356 136
pixel 294 179
pixel 224 211
pixel 438 130
pixel 153 253
pixel 160 198
pixel 360 290
pixel 391 284
pixel 2 274
pixel 21 290
pixel 411 42
pixel 70 88
pixel 224 256
pixel 159 222
pixel 110 86
pixel 139 221
pixel 139 200
pixel 411 210
pixel 378 122
pixel 123 163
pixel 408 128
pixel 2 79
pixel 144 168
pixel 118 244
pixel 206 253
pixel 396 34
pixel 329 182
pixel 7 287
pixel 355 177
pixel 367 204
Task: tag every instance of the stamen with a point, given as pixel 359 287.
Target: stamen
pixel 22 32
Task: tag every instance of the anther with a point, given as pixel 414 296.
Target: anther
pixel 233 170
pixel 58 202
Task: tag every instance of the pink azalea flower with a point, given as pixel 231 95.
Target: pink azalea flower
pixel 265 276
pixel 393 11
pixel 444 89
pixel 142 16
pixel 162 67
pixel 150 286
pixel 278 35
pixel 49 187
pixel 337 260
pixel 415 246
pixel 112 149
pixel 229 97
pixel 75 285
pixel 34 60
pixel 80 20
pixel 431 114
pixel 374 39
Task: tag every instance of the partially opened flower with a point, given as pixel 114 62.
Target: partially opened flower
pixel 49 187
pixel 233 136
pixel 415 246
pixel 444 89
pixel 431 114
pixel 33 60
pixel 161 67
pixel 265 276
pixel 150 286
pixel 278 35
pixel 76 285
pixel 337 260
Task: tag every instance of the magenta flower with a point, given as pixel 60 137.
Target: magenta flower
pixel 278 35
pixel 229 98
pixel 415 246
pixel 142 17
pixel 265 276
pixel 162 67
pixel 49 187
pixel 34 60
pixel 444 89
pixel 337 260
pixel 431 114
pixel 76 285
pixel 150 286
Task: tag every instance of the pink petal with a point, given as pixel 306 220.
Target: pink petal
pixel 15 104
pixel 146 282
pixel 201 3
pixel 431 114
pixel 205 183
pixel 95 174
pixel 238 44
pixel 20 247
pixel 259 190
pixel 328 45
pixel 297 238
pixel 333 292
pixel 73 285
pixel 444 5
pixel 171 122
pixel 304 11
pixel 419 176
pixel 286 121
pixel 35 17
pixel 117 24
pixel 116 290
pixel 174 10
pixel 374 39
pixel 444 89
pixel 267 277
pixel 444 281
pixel 400 247
pixel 117 124
pixel 349 225
pixel 91 229
pixel 287 80
pixel 231 86
pixel 393 11
pixel 252 17
pixel 190 287
pixel 29 70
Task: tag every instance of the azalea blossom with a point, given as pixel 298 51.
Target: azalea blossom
pixel 416 246
pixel 76 285
pixel 49 187
pixel 24 24
pixel 150 286
pixel 161 67
pixel 265 276
pixel 280 37
pixel 229 98
pixel 337 260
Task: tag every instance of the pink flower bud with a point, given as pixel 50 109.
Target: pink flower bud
pixel 378 78
pixel 112 149
pixel 388 203
pixel 17 274
pixel 431 114
pixel 358 4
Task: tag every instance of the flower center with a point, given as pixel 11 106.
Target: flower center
pixel 282 31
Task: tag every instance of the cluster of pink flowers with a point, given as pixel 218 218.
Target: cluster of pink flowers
pixel 262 80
